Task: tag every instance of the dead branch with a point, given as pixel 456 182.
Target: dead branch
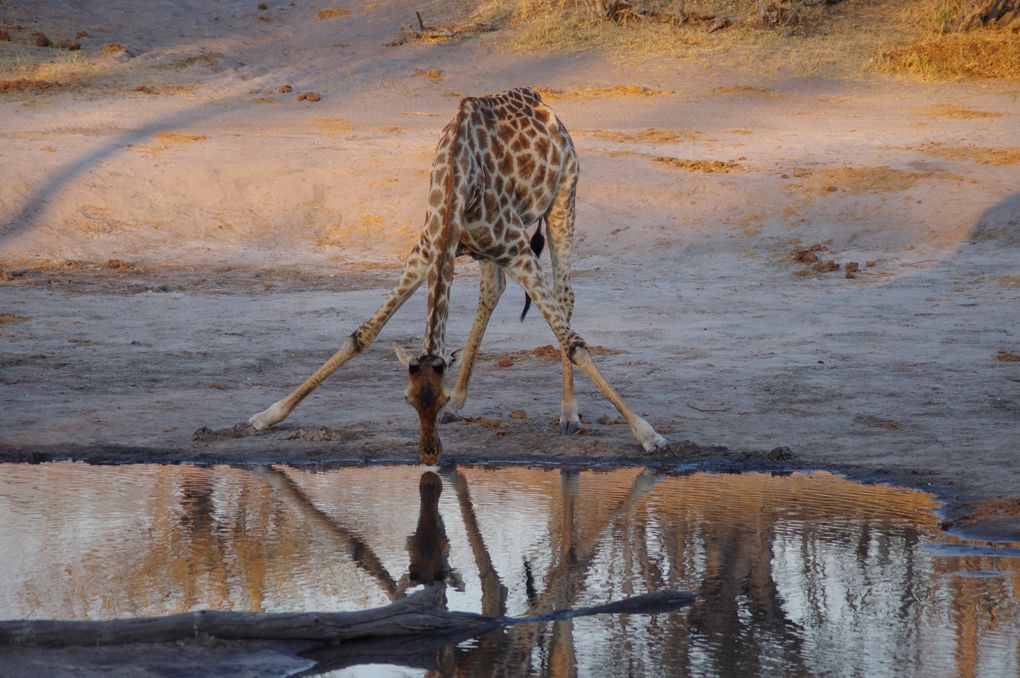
pixel 422 613
pixel 419 613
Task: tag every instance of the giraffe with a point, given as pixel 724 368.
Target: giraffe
pixel 503 164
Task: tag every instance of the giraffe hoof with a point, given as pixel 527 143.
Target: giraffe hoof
pixel 569 426
pixel 263 420
pixel 654 443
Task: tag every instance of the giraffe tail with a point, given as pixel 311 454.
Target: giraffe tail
pixel 537 245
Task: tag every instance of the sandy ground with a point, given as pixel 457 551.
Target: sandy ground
pixel 177 257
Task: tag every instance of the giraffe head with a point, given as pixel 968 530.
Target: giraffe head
pixel 427 393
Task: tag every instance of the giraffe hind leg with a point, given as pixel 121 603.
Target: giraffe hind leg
pixel 560 227
pixel 525 270
pixel 414 273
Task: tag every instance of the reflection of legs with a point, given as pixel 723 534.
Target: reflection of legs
pixel 491 285
pixel 560 227
pixel 524 268
pixel 413 275
pixel 493 592
pixel 353 544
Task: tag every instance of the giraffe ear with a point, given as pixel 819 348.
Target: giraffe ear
pixel 454 358
pixel 402 355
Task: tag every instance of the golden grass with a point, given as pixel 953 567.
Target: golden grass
pixel 705 166
pixel 837 39
pixel 332 127
pixel 650 135
pixel 49 65
pixel 332 13
pixel 852 37
pixel 985 155
pixel 433 74
pixel 856 180
pixel 11 318
pixel 600 92
pixel 168 139
pixel 174 138
pixel 975 54
pixel 957 112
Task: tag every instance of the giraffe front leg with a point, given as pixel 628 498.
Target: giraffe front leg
pixel 524 269
pixel 492 282
pixel 570 419
pixel 412 276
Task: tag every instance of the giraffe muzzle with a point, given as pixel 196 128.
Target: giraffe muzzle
pixel 430 448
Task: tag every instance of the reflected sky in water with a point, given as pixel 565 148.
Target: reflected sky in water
pixel 805 574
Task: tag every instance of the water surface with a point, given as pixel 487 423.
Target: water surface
pixel 799 574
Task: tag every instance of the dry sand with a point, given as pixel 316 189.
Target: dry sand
pixel 250 231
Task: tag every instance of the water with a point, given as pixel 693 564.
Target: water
pixel 802 574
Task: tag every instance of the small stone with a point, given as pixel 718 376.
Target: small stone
pixel 309 96
pixel 285 89
pixel 41 40
pixel 263 6
pixel 518 414
pixel 5 36
pixel 850 268
pixel 505 362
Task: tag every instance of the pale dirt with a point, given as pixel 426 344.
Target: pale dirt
pixel 254 232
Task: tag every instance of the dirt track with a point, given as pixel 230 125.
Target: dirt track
pixel 264 232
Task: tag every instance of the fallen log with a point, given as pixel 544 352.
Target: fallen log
pixel 422 613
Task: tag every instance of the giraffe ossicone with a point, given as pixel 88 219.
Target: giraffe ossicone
pixel 504 163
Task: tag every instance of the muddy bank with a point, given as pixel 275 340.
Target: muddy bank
pixel 103 365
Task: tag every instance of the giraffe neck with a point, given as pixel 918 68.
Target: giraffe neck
pixel 443 251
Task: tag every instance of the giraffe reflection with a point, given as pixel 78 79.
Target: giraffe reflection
pixel 809 574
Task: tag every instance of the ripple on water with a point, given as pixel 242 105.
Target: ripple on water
pixel 802 573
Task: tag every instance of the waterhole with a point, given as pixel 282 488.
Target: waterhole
pixel 793 574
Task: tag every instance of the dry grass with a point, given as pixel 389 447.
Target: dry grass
pixel 11 318
pixel 976 54
pixel 935 52
pixel 957 112
pixel 855 180
pixel 851 37
pixel 332 127
pixel 600 92
pixel 433 74
pixel 332 13
pixel 836 39
pixel 168 139
pixel 36 69
pixel 54 66
pixel 706 166
pixel 1004 356
pixel 985 155
pixel 650 135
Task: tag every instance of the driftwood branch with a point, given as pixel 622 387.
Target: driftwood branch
pixel 422 613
